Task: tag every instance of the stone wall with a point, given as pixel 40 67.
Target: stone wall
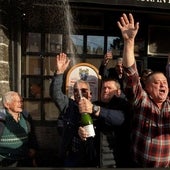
pixel 4 53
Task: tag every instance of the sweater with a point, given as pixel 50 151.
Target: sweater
pixel 15 137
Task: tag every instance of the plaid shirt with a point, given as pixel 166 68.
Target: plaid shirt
pixel 151 126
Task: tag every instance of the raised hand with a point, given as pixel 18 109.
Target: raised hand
pixel 107 57
pixel 127 26
pixel 62 62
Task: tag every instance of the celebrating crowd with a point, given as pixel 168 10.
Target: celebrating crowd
pixel 131 118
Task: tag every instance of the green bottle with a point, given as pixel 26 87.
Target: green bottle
pixel 87 123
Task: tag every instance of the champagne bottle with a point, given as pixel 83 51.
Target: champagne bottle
pixel 87 123
pixel 86 120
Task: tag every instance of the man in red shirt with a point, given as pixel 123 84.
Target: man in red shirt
pixel 151 123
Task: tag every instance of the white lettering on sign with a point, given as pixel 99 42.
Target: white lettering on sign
pixel 156 1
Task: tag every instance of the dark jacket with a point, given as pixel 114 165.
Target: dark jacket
pixel 72 150
pixel 88 152
pixel 115 135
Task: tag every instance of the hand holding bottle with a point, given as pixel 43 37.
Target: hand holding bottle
pixel 85 107
pixel 82 133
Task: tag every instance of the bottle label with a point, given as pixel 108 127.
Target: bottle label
pixel 90 130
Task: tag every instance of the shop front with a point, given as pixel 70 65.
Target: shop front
pixel 33 32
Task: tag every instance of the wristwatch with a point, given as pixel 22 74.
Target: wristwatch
pixel 95 109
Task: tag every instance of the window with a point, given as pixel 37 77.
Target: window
pixel 33 43
pixel 38 65
pixel 53 43
pixel 157 37
pixel 95 44
pixel 76 43
pixel 114 44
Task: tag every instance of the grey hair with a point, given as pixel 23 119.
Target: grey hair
pixel 8 97
pixel 82 81
pixel 150 76
pixel 119 60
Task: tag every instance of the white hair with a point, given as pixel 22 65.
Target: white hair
pixel 8 97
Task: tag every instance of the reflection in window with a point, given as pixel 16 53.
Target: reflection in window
pixel 32 65
pixel 53 43
pixel 35 89
pixel 114 44
pixel 33 107
pixel 49 65
pixel 156 44
pixel 32 88
pixel 95 45
pixel 75 44
pixel 78 42
pixel 51 111
pixel 47 83
pixel 33 42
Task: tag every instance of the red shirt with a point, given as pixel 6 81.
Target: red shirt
pixel 151 126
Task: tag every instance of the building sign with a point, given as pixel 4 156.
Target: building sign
pixel 164 4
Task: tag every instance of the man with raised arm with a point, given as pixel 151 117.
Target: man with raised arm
pixel 151 123
pixel 73 152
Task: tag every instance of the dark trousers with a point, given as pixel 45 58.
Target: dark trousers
pixel 16 163
pixel 8 163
